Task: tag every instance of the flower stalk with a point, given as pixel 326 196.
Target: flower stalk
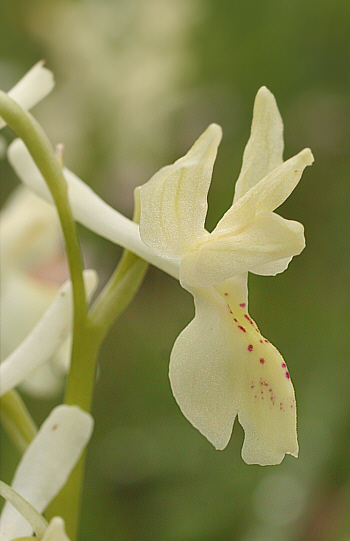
pixel 40 148
pixel 17 421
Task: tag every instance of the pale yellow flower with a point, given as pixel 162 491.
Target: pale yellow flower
pixel 33 268
pixel 221 366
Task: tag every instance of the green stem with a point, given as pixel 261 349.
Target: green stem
pixel 40 148
pixel 16 420
pixel 26 127
pixel 112 301
pixel 118 292
pixel 88 331
pixel 122 286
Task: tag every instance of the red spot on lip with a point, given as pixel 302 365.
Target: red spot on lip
pixel 234 319
pixel 252 386
pixel 284 365
pixel 262 361
pixel 242 305
pixel 287 375
pixel 226 294
pixel 248 318
pixel 250 347
pixel 242 328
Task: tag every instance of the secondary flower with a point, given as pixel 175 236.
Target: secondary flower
pixel 33 268
pixel 220 365
pixel 32 88
pixel 45 468
pixel 42 343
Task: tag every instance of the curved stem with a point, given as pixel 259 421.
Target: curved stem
pixel 88 331
pixel 118 292
pixel 40 148
pixel 16 420
pixel 26 127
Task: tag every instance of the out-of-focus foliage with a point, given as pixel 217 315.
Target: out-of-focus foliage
pixel 137 82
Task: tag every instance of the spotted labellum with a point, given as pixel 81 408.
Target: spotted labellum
pixel 221 367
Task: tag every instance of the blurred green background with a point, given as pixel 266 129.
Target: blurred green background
pixel 136 83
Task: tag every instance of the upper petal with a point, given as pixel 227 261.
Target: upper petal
pixel 266 239
pixel 268 194
pixel 174 200
pixel 221 365
pixel 264 149
pixel 46 465
pixel 273 267
pixel 32 88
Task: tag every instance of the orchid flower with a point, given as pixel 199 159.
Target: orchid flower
pixel 33 268
pixel 32 88
pixel 44 470
pixel 41 344
pixel 221 366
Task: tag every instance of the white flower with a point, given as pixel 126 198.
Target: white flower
pixel 43 341
pixel 44 469
pixel 33 268
pixel 220 365
pixel 32 88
